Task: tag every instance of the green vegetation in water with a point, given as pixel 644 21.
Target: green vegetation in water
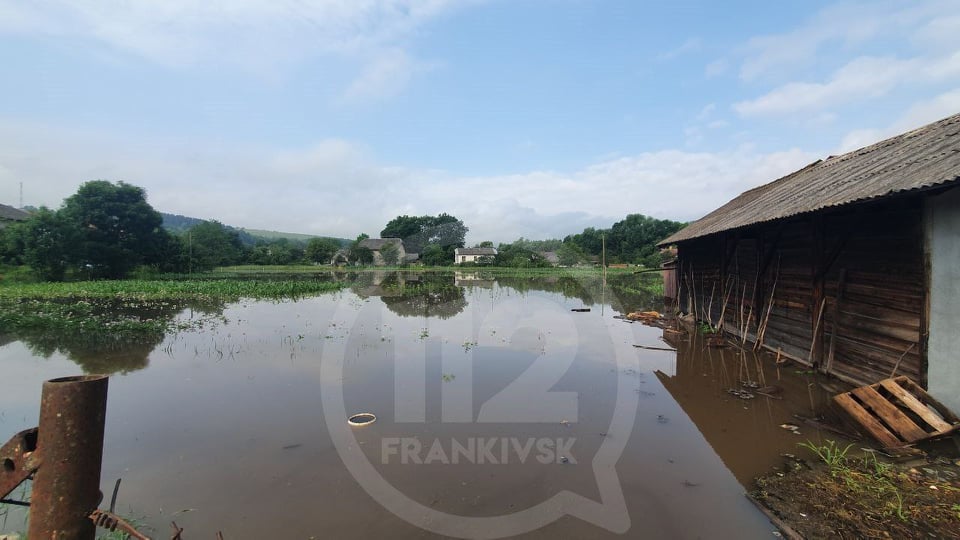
pixel 705 328
pixel 97 312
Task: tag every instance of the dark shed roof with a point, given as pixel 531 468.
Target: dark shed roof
pixel 9 212
pixel 922 158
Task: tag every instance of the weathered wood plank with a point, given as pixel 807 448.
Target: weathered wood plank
pixel 916 389
pixel 890 414
pixel 915 405
pixel 865 419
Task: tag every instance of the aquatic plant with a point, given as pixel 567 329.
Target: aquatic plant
pixel 95 312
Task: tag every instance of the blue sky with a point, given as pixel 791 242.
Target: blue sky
pixel 529 118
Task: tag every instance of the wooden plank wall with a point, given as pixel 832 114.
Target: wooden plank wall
pixel 880 314
pixel 869 256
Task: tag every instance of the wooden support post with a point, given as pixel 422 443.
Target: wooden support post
pixel 818 295
pixel 841 284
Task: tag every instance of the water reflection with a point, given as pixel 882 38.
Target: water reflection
pixel 745 433
pixel 101 351
pixel 238 442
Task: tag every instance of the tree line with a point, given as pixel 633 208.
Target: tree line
pixel 632 240
pixel 107 230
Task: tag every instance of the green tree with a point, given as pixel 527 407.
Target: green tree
pixel 390 254
pixel 570 254
pixel 409 229
pixel 13 243
pixel 358 253
pixel 211 244
pixel 116 229
pixel 321 250
pixel 420 232
pixel 435 255
pixel 517 256
pixel 48 244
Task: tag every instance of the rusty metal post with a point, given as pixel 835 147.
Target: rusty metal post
pixel 66 488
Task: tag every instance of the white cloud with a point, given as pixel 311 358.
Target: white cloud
pixel 716 68
pixel 917 115
pixel 861 78
pixel 262 37
pixel 387 75
pixel 334 187
pixel 689 46
pixel 838 27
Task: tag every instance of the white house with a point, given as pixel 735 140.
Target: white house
pixel 465 255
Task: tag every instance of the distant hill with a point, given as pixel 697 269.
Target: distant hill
pixel 275 235
pixel 176 223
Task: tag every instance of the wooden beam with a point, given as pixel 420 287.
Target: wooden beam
pixel 865 419
pixel 915 405
pixel 841 283
pixel 890 414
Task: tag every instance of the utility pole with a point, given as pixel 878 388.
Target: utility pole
pixel 603 257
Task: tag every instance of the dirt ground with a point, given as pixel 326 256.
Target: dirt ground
pixel 857 494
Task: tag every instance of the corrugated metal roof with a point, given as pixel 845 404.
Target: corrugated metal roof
pixel 9 212
pixel 922 158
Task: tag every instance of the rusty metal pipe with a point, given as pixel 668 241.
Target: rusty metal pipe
pixel 66 488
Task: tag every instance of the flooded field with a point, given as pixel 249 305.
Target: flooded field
pixel 499 412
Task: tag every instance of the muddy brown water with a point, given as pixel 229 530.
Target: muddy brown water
pixel 238 427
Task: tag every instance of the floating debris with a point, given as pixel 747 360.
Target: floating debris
pixel 717 342
pixel 362 419
pixel 742 394
pixel 793 428
pixel 644 316
pixel 581 310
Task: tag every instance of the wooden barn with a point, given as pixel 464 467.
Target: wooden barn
pixel 851 264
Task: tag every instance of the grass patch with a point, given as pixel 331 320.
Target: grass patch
pixel 865 497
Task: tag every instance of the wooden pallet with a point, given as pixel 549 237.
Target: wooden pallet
pixel 897 412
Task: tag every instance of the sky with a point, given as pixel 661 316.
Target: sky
pixel 532 118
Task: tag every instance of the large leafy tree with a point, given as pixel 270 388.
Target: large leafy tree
pixel 434 237
pixel 631 240
pixel 211 244
pixel 49 243
pixel 116 229
pixel 321 250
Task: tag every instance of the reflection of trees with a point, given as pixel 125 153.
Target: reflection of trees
pixel 624 292
pixel 102 350
pixel 96 357
pixel 433 296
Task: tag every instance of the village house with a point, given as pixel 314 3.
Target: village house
pixel 851 264
pixel 551 257
pixel 378 245
pixel 10 215
pixel 467 255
